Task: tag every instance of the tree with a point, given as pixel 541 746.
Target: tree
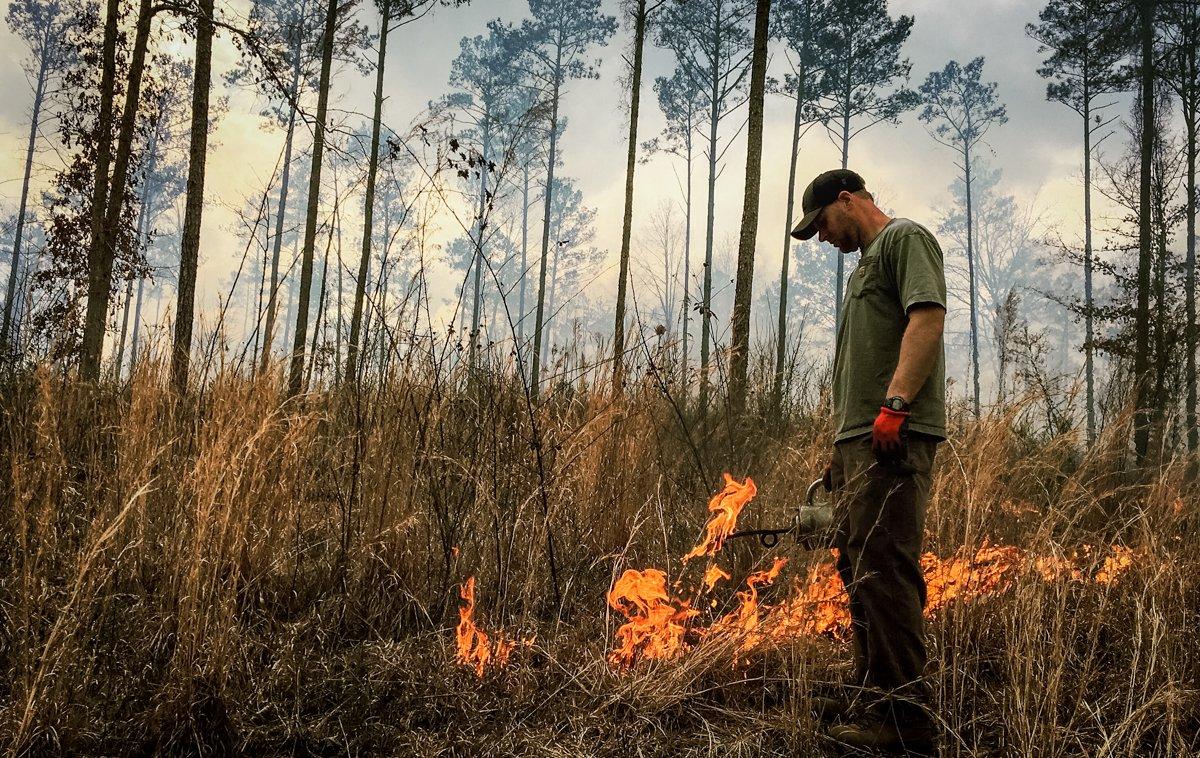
pixel 640 12
pixel 555 41
pixel 1009 259
pixel 962 109
pixel 1147 13
pixel 485 73
pixel 743 289
pixel 801 24
pixel 402 12
pixel 712 51
pixel 300 336
pixel 189 247
pixel 572 227
pixel 42 26
pixel 679 100
pixel 858 81
pixel 282 35
pixel 162 179
pixel 111 193
pixel 1084 63
pixel 1182 73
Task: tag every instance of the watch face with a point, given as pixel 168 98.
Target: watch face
pixel 895 403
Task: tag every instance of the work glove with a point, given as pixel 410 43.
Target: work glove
pixel 889 437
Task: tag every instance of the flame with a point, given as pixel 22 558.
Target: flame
pixel 819 605
pixel 1120 561
pixel 659 626
pixel 966 578
pixel 744 621
pixel 655 625
pixel 725 507
pixel 475 648
pixel 712 575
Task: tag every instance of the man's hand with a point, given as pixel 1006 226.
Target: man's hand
pixel 827 477
pixel 889 432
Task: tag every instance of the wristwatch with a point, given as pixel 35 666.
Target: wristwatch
pixel 896 403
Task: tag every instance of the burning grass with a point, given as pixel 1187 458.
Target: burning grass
pixel 373 573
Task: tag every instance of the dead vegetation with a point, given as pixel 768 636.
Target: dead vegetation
pixel 236 573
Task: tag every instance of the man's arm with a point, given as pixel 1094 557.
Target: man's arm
pixel 919 348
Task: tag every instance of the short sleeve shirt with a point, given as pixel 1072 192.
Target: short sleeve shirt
pixel 900 268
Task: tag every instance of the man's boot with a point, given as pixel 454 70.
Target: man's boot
pixel 877 733
pixel 829 710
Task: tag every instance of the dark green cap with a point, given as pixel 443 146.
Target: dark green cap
pixel 821 192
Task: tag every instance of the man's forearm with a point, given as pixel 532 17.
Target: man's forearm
pixel 919 349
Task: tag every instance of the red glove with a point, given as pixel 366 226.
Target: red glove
pixel 888 435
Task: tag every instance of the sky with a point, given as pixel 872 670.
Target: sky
pixel 1038 149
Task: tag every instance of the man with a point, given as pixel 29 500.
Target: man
pixel 889 414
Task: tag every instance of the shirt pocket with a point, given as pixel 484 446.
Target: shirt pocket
pixel 866 277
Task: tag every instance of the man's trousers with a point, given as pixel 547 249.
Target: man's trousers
pixel 880 512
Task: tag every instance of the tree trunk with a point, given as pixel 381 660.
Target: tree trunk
pixel 781 331
pixel 296 377
pixel 103 249
pixel 1141 358
pixel 1190 118
pixel 687 273
pixel 134 340
pixel 364 261
pixel 317 325
pixel 190 245
pixel 635 87
pixel 706 295
pixel 971 280
pixel 291 304
pixel 39 92
pixel 841 263
pixel 541 304
pixel 141 225
pixel 93 340
pixel 480 227
pixel 284 182
pixel 739 359
pixel 524 257
pixel 1088 316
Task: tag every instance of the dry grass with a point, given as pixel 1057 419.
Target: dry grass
pixel 236 573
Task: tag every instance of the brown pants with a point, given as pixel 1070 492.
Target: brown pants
pixel 880 512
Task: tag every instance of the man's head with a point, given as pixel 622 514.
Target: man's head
pixel 838 207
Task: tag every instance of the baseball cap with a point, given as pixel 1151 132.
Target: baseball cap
pixel 821 192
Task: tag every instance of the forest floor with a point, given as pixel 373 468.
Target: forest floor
pixel 234 572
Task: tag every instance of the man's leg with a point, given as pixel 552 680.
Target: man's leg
pixel 880 550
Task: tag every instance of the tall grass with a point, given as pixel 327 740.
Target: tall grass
pixel 233 571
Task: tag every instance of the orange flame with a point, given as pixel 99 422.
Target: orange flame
pixel 1116 564
pixel 818 606
pixel 967 577
pixel 656 624
pixel 745 621
pixel 475 648
pixel 725 507
pixel 712 575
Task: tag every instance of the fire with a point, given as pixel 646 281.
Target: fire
pixel 744 621
pixel 1116 564
pixel 712 575
pixel 656 624
pixel 725 507
pixel 475 648
pixel 818 605
pixel 967 577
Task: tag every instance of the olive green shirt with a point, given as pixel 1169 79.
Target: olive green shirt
pixel 900 268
